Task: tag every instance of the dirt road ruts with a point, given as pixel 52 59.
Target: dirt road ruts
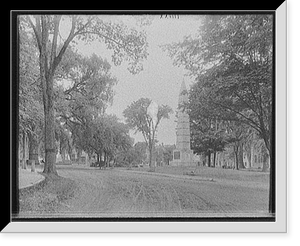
pixel 113 193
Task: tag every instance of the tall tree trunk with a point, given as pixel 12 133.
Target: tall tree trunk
pixel 241 157
pixel 203 159
pixel 264 166
pixel 215 154
pixel 209 159
pixel 50 146
pixel 272 174
pixel 24 151
pixel 252 154
pixel 79 153
pixel 98 157
pixel 105 159
pixel 271 184
pixel 236 150
pixel 236 161
pixel 150 157
pixel 89 158
pixel 265 162
pixel 63 155
pixel 151 152
pixel 33 148
pixel 46 76
pixel 47 69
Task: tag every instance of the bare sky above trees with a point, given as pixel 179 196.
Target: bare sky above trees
pixel 160 80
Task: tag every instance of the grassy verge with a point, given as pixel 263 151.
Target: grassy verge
pixel 46 197
pixel 209 172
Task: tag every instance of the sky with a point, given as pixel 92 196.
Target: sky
pixel 160 80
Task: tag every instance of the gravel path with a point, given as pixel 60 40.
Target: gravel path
pixel 122 193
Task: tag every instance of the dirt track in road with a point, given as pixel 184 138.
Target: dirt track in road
pixel 121 193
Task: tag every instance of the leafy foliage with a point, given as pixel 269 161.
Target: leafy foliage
pixel 127 45
pixel 30 102
pixel 105 135
pixel 231 59
pixel 134 155
pixel 89 92
pixel 137 118
pixel 90 82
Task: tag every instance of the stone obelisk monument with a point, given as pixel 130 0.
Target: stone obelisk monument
pixel 183 155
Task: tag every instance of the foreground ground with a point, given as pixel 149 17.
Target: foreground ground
pixel 169 192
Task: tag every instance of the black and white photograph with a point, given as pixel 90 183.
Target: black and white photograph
pixel 164 116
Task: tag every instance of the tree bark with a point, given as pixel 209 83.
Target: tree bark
pixel 24 151
pixel 236 161
pixel 236 150
pixel 215 153
pixel 89 158
pixel 78 153
pixel 209 159
pixel 50 147
pixel 46 77
pixel 271 185
pixel 252 155
pixel 272 191
pixel 265 163
pixel 47 69
pixel 240 157
pixel 33 148
pixel 63 155
pixel 105 159
pixel 98 157
pixel 150 157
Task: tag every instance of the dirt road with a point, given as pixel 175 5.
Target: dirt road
pixel 115 193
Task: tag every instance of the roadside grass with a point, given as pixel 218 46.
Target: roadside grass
pixel 214 173
pixel 46 197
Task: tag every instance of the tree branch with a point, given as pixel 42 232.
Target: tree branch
pixel 247 104
pixel 58 58
pixel 57 19
pixel 37 32
pixel 78 84
pixel 248 121
pixel 72 34
pixel 110 39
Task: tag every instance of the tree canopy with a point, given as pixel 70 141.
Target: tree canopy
pixel 140 120
pixel 231 59
pixel 128 45
pixel 30 100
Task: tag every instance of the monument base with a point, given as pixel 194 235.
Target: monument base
pixel 183 158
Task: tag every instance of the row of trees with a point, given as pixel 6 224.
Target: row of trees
pixel 80 122
pixel 30 101
pixel 139 154
pixel 48 110
pixel 78 109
